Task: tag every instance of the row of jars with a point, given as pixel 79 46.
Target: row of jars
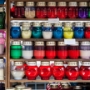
pixel 49 49
pixel 30 70
pixel 46 30
pixel 50 10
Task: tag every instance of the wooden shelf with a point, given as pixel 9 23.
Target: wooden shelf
pixel 4 55
pixel 2 5
pixel 2 80
pixel 38 80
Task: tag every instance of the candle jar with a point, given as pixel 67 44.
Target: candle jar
pixel 2 18
pixel 29 10
pixel 41 10
pixel 68 31
pixel 47 31
pixel 79 30
pixel 72 71
pixel 85 50
pixel 50 50
pixel 27 52
pixel 26 32
pixel 18 71
pixel 73 10
pixel 58 71
pixel 58 31
pixel 52 10
pixel 2 44
pixel 2 1
pixel 11 88
pixel 77 88
pixel 37 30
pixel 85 70
pixel 83 10
pixel 15 31
pixel 87 30
pixel 16 50
pixel 45 71
pixel 27 88
pixel 62 52
pixel 73 51
pixel 62 10
pixel 19 10
pixel 19 87
pixel 31 70
pixel 66 87
pixel 39 50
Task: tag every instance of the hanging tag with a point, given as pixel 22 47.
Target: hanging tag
pixel 53 20
pixel 69 41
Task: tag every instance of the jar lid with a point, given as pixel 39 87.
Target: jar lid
pixel 76 44
pixel 45 63
pixel 62 4
pixel 27 43
pixel 39 43
pixel 83 4
pixel 31 63
pixel 11 88
pixel 79 24
pixel 53 86
pixel 68 24
pixel 58 63
pixel 1 60
pixel 29 3
pixel 15 24
pixel 1 9
pixel 87 24
pixel 20 86
pixel 86 63
pixel 58 24
pixel 61 44
pixel 27 89
pixel 77 87
pixel 36 24
pixel 72 4
pixel 50 43
pixel 46 24
pixel 51 3
pixel 85 43
pixel 16 43
pixel 72 63
pixel 41 4
pixel 1 35
pixel 19 3
pixel 25 24
pixel 18 63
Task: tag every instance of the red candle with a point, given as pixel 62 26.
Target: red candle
pixel 72 71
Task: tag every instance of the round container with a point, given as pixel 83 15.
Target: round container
pixel 77 88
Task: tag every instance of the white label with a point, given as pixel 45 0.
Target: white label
pixel 53 20
pixel 70 41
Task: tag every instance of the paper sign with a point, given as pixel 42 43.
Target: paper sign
pixel 70 41
pixel 53 20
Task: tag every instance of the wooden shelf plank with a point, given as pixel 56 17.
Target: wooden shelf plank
pixel 2 80
pixel 38 80
pixel 2 5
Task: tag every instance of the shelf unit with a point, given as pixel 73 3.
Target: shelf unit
pixel 20 39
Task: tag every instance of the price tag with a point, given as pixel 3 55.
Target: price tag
pixel 70 41
pixel 53 20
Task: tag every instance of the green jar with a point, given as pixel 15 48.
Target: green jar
pixel 16 50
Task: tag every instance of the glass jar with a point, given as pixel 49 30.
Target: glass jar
pixel 19 10
pixel 2 18
pixel 73 51
pixel 85 70
pixel 85 50
pixel 2 43
pixel 62 10
pixel 62 51
pixel 83 10
pixel 50 49
pixel 79 30
pixel 39 50
pixel 2 86
pixel 15 31
pixel 16 50
pixel 18 71
pixel 89 10
pixel 87 30
pixel 37 30
pixel 31 70
pixel 68 31
pixel 52 10
pixel 10 88
pixel 58 70
pixel 47 31
pixel 27 52
pixel 66 87
pixel 73 10
pixel 54 87
pixel 20 87
pixel 41 10
pixel 45 70
pixel 29 10
pixel 26 32
pixel 72 71
pixel 77 88
pixel 27 89
pixel 58 31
